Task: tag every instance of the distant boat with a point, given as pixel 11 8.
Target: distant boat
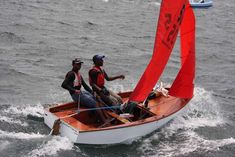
pixel 201 4
pixel 152 111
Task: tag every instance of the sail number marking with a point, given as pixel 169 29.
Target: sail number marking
pixel 172 27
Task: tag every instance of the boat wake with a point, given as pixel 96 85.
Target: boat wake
pixel 10 120
pixel 33 110
pixel 52 147
pixel 190 142
pixel 20 135
pixel 20 116
pixel 180 137
pixel 203 111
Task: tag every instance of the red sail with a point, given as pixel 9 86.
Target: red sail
pixel 183 85
pixel 170 19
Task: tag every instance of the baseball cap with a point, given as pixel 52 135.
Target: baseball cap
pixel 77 61
pixel 97 57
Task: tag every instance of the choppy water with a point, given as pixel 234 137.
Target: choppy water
pixel 39 38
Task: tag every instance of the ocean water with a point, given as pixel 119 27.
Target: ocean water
pixel 39 38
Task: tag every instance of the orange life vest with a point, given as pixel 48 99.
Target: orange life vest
pixel 100 78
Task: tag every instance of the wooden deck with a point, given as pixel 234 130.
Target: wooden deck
pixel 158 108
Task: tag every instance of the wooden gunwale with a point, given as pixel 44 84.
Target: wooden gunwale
pixel 155 108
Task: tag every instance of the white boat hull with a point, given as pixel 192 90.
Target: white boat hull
pixel 108 136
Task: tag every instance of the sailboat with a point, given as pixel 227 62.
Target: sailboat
pixel 201 4
pixel 151 112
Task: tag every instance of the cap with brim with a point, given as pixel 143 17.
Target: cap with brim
pixel 98 57
pixel 77 61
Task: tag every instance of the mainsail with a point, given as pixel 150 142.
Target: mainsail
pixel 184 83
pixel 174 15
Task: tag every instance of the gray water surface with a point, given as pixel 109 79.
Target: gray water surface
pixel 39 38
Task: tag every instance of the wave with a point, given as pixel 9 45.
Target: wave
pixel 192 142
pixel 179 137
pixel 20 135
pixel 202 111
pixel 12 121
pixel 10 37
pixel 52 147
pixel 36 110
pixel 12 72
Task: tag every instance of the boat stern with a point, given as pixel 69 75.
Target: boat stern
pixel 49 118
pixel 68 131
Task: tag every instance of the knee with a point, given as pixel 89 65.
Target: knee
pixel 92 102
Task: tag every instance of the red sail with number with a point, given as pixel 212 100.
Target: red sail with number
pixel 172 18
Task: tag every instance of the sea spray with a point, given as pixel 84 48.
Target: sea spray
pixel 190 142
pixel 179 137
pixel 20 135
pixel 34 110
pixel 12 121
pixel 52 147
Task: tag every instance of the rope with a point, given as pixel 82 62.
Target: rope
pixel 100 108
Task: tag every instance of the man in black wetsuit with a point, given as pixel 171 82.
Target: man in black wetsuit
pixel 73 83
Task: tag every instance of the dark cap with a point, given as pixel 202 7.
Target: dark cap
pixel 77 61
pixel 97 57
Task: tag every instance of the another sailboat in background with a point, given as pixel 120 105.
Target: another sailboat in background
pixel 201 4
pixel 152 111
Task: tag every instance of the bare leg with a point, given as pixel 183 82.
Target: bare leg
pixel 106 99
pixel 116 96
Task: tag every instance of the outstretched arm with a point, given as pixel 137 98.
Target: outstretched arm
pixel 114 77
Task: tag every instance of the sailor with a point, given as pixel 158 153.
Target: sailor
pixel 97 77
pixel 73 82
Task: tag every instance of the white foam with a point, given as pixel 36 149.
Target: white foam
pixel 202 111
pixel 105 0
pixel 20 135
pixel 12 121
pixel 4 145
pixel 34 110
pixel 192 142
pixel 52 146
